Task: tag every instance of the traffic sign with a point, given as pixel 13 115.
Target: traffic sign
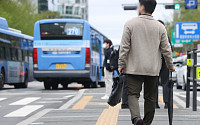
pixel 190 62
pixel 187 30
pixel 191 4
pixel 198 73
pixel 174 41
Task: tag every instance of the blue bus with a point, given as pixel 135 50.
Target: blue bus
pixel 16 61
pixel 66 51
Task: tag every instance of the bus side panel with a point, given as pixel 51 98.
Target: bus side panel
pixel 30 71
pixel 3 64
pixel 15 72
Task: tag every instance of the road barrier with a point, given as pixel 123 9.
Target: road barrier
pixel 192 71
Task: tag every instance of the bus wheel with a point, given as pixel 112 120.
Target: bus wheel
pixel 54 86
pixel 65 86
pixel 18 85
pixel 102 84
pixel 47 85
pixel 2 80
pixel 87 85
pixel 25 84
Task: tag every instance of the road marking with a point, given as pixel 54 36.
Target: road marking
pixel 98 103
pixel 45 111
pixel 68 96
pixel 48 102
pixel 179 101
pixel 25 101
pixel 1 99
pixel 184 96
pixel 109 116
pixel 64 98
pixel 162 102
pixel 24 111
pixel 35 117
pixel 82 103
pixel 73 100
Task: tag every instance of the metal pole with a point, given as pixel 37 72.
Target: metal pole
pixel 194 82
pixel 188 84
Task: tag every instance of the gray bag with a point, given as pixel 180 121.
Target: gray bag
pixel 117 90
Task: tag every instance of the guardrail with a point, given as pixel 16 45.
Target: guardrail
pixel 192 77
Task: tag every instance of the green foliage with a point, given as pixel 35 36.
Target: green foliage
pixel 21 14
pixel 184 15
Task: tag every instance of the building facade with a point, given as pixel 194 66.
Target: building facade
pixel 76 9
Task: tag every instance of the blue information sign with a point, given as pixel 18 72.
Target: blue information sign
pixel 187 31
pixel 191 4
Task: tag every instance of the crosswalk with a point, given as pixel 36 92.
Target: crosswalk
pixel 28 105
pixel 24 111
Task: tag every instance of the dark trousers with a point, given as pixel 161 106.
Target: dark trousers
pixel 164 76
pixel 135 83
pixel 125 92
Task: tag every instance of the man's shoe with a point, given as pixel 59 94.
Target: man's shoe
pixel 166 106
pixel 157 106
pixel 105 97
pixel 124 106
pixel 138 121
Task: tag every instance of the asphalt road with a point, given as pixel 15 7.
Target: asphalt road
pixel 75 106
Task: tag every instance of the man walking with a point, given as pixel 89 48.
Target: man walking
pixel 144 40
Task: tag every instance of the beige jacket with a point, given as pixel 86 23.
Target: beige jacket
pixel 143 41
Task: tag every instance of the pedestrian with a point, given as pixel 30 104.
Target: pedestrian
pixel 114 66
pixel 164 77
pixel 107 69
pixel 144 40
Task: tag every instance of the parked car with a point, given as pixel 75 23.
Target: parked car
pixel 182 74
pixel 178 63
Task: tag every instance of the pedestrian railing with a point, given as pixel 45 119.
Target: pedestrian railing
pixel 193 76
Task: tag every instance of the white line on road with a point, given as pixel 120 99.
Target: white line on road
pixel 1 99
pixel 24 111
pixel 45 111
pixel 181 102
pixel 25 101
pixel 73 100
pixel 48 102
pixel 65 97
pixel 178 100
pixel 35 117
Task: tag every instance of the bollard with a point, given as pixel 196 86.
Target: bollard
pixel 188 83
pixel 194 81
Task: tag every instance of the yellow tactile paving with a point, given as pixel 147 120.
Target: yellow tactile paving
pixel 82 103
pixel 98 103
pixel 109 116
pixel 162 102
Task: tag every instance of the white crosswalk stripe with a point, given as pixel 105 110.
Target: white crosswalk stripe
pixel 24 111
pixel 25 101
pixel 1 99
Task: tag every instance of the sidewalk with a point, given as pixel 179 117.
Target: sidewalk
pixel 91 110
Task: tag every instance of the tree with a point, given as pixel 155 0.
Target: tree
pixel 21 15
pixel 183 15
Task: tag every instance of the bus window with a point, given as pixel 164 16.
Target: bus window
pixel 8 54
pixel 14 54
pixel 25 56
pixel 2 52
pixel 19 55
pixel 61 31
pixel 14 41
